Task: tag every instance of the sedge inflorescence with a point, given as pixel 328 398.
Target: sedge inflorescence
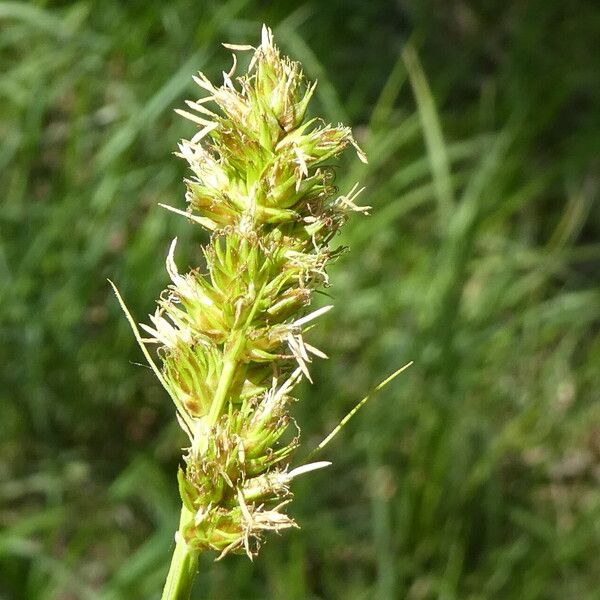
pixel 231 338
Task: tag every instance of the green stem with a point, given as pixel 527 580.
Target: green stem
pixel 229 367
pixel 184 565
pixel 220 396
pixel 237 340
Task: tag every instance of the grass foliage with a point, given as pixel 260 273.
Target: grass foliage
pixel 475 475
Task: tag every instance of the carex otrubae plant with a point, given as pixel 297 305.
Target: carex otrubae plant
pixel 230 336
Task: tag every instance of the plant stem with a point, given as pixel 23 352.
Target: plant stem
pixel 222 388
pixel 183 565
pixel 229 366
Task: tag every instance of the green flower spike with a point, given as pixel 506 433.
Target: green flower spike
pixel 231 338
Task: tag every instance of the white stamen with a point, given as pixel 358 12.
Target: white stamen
pixel 197 106
pixel 238 47
pixel 315 351
pixel 201 220
pixel 266 38
pixel 313 315
pixel 308 468
pixel 204 83
pixel 194 118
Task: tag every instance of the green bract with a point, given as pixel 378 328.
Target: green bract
pixel 231 338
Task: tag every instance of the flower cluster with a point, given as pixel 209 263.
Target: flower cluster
pixel 231 337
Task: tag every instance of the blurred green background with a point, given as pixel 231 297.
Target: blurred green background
pixel 476 474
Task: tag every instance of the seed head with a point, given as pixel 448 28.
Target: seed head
pixel 231 338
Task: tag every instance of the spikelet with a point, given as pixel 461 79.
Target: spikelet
pixel 231 339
